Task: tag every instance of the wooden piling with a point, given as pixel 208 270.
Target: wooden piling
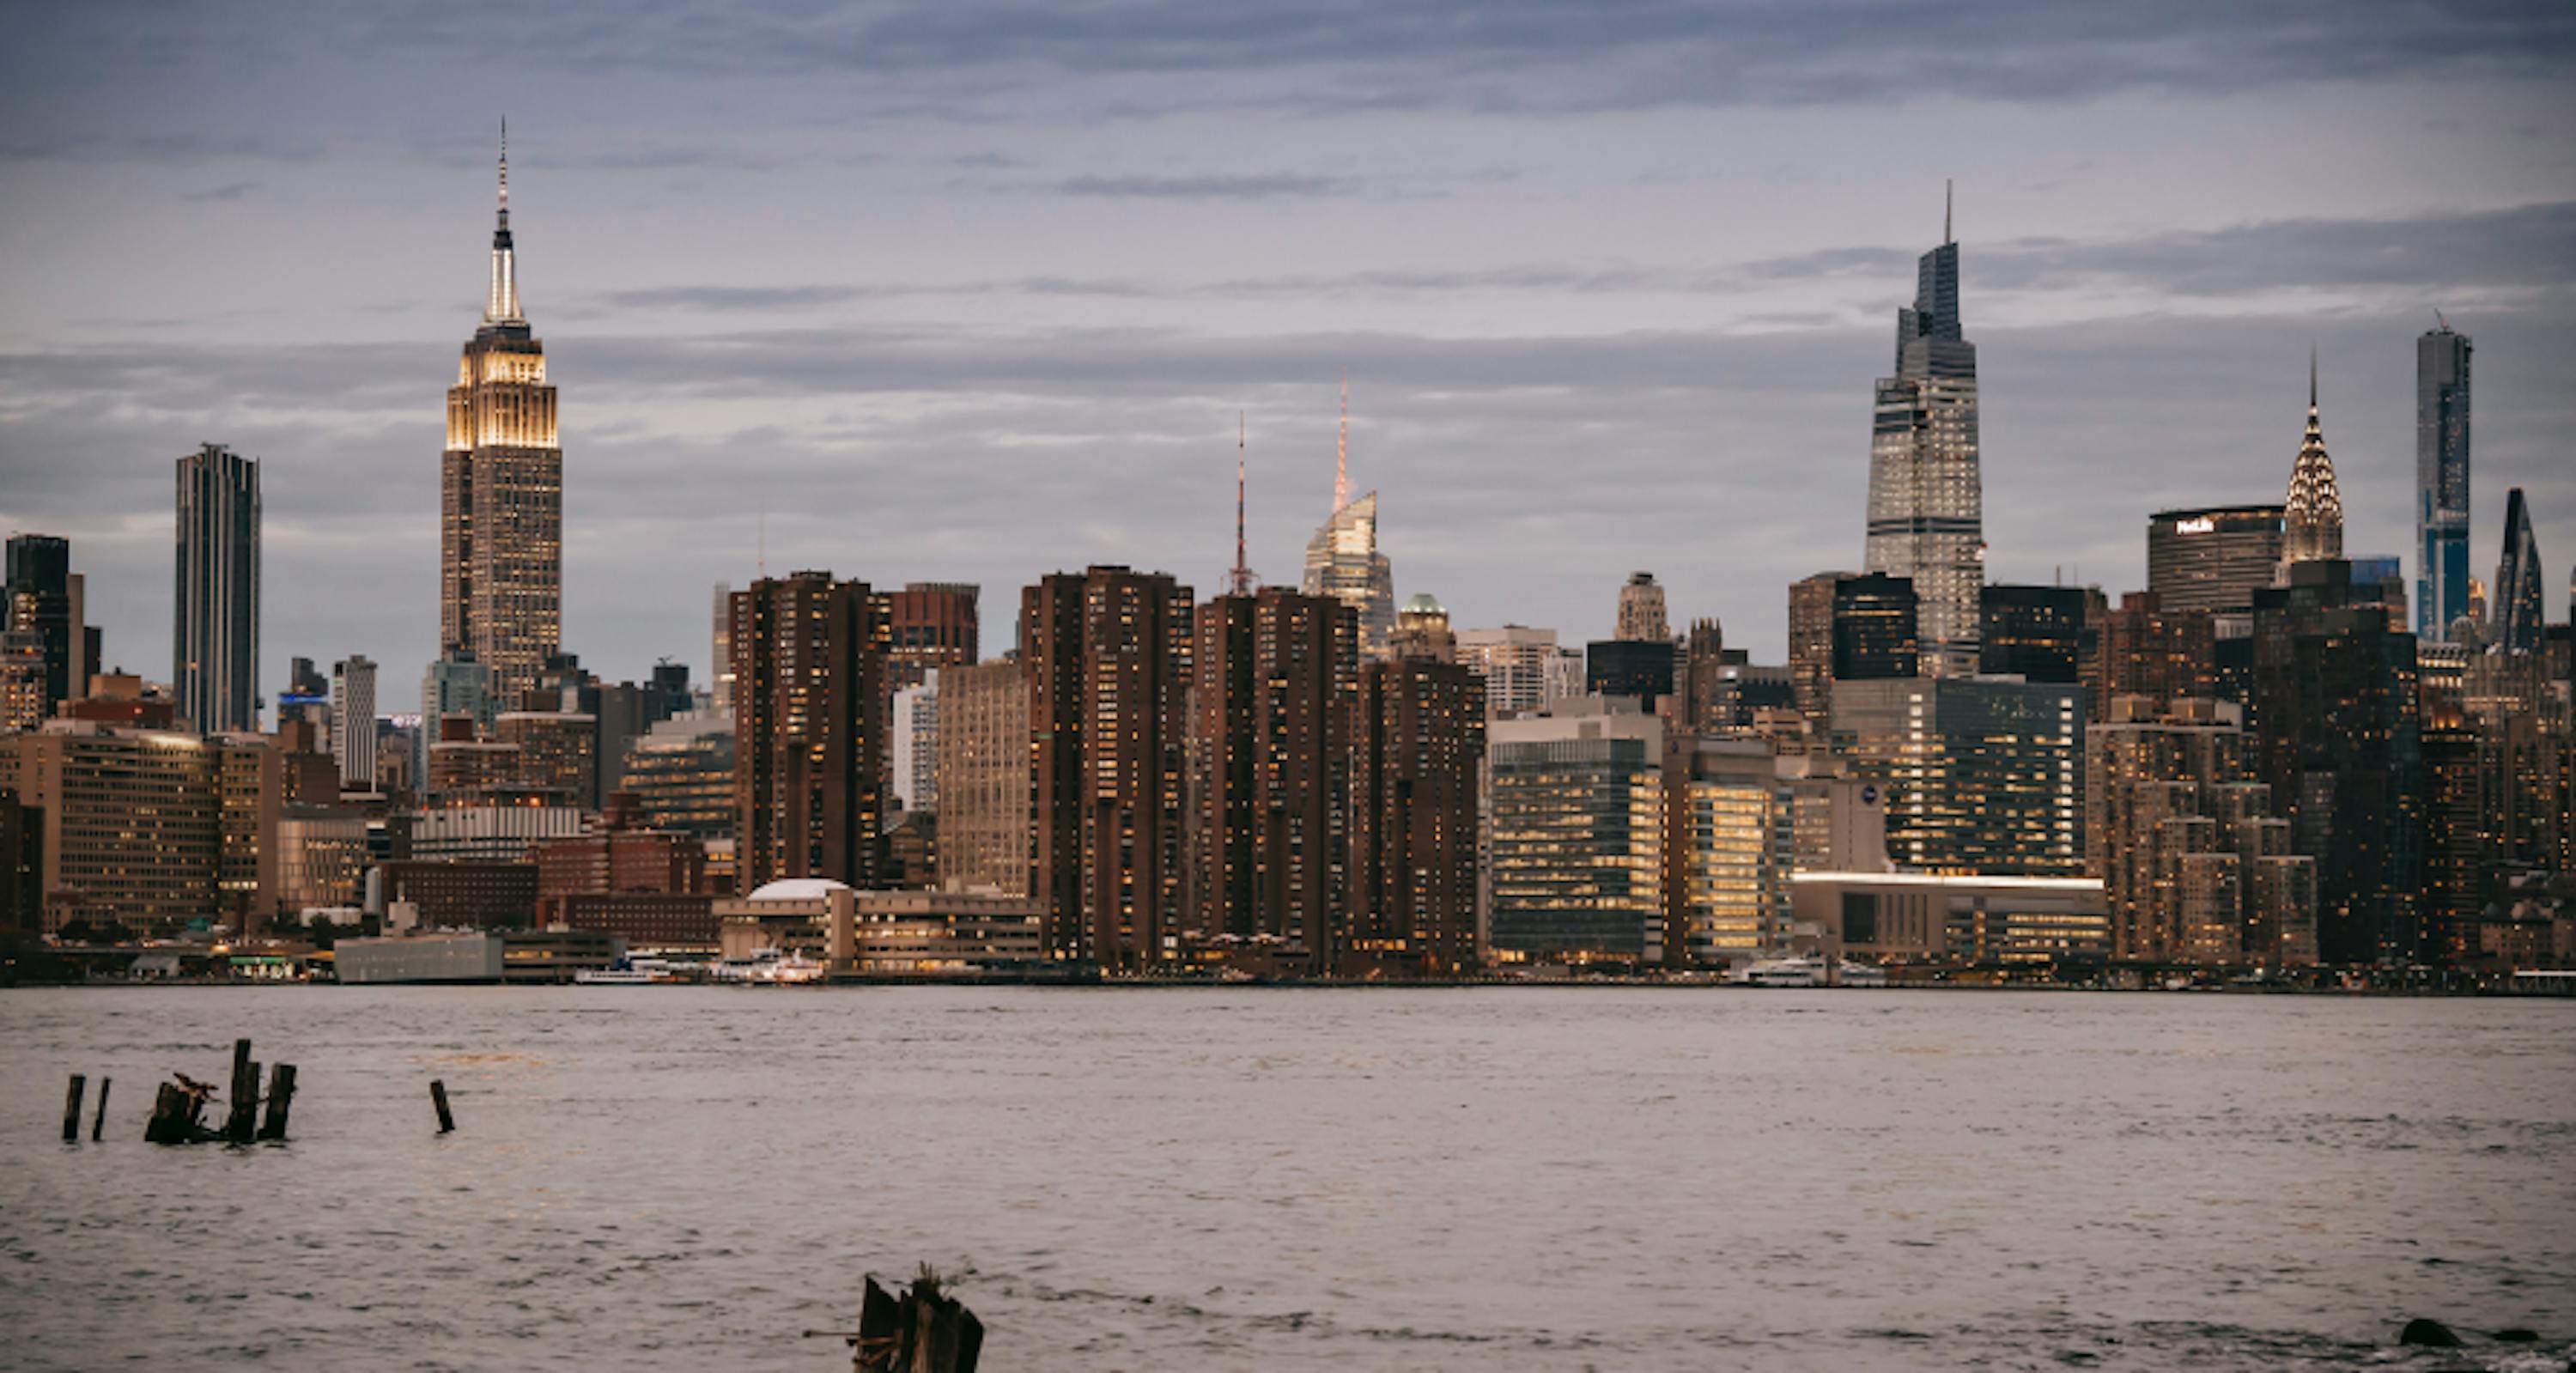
pixel 924 1331
pixel 71 1109
pixel 169 1117
pixel 241 1118
pixel 446 1118
pixel 281 1095
pixel 98 1123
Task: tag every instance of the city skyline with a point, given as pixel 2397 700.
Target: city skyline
pixel 710 378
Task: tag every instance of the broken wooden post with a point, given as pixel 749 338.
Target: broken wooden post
pixel 98 1124
pixel 71 1109
pixel 244 1100
pixel 281 1095
pixel 169 1123
pixel 925 1331
pixel 446 1118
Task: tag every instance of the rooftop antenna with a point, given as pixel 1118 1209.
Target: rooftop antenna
pixel 2312 377
pixel 1342 452
pixel 1947 190
pixel 2437 319
pixel 1241 578
pixel 764 541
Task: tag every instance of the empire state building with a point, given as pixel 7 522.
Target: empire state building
pixel 500 592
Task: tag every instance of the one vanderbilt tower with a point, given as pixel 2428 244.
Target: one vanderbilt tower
pixel 1926 493
pixel 501 488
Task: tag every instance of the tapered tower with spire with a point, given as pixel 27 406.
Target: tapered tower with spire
pixel 501 487
pixel 1342 559
pixel 1926 475
pixel 2312 523
pixel 1240 580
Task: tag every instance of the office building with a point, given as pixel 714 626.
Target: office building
pixel 2441 481
pixel 1422 632
pixel 1926 496
pixel 914 751
pixel 214 636
pixel 501 490
pixel 24 702
pixel 1811 645
pixel 1269 775
pixel 1875 623
pixel 809 760
pixel 1983 775
pixel 1641 609
pixel 22 864
pixel 353 721
pixel 151 828
pixel 2210 558
pixel 1927 918
pixel 982 761
pixel 1343 561
pixel 1639 669
pixel 555 755
pixel 2312 520
pixel 1108 657
pixel 616 859
pixel 322 859
pixel 720 684
pixel 2035 633
pixel 2521 616
pixel 929 625
pixel 1577 836
pixel 680 775
pixel 1523 669
pixel 1730 847
pixel 2143 649
pixel 1418 749
pixel 39 606
pixel 2336 719
pixel 497 833
pixel 2196 866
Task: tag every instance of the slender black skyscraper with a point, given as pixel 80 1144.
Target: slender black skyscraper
pixel 1926 488
pixel 40 603
pixel 2441 481
pixel 2520 614
pixel 214 632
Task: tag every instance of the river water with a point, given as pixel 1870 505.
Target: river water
pixel 1495 1178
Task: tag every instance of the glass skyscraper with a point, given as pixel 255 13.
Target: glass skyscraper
pixel 2520 616
pixel 1926 490
pixel 214 632
pixel 2441 481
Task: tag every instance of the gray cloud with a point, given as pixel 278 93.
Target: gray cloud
pixel 229 191
pixel 1211 187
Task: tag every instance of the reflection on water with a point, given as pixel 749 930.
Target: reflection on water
pixel 681 1178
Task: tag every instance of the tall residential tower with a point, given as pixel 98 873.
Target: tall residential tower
pixel 501 489
pixel 214 630
pixel 2441 481
pixel 1926 488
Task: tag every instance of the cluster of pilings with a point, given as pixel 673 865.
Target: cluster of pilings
pixel 179 1108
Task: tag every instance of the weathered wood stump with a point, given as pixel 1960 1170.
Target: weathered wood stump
pixel 71 1109
pixel 98 1123
pixel 175 1112
pixel 281 1097
pixel 438 1098
pixel 241 1119
pixel 923 1331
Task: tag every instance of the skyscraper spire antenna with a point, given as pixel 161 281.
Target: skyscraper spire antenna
pixel 2312 378
pixel 1241 579
pixel 501 303
pixel 1342 452
pixel 1948 200
pixel 505 171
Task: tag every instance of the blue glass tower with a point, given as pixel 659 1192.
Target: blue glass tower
pixel 2441 482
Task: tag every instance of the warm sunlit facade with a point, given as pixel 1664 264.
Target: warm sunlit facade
pixel 501 491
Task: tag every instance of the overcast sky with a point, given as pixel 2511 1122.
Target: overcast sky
pixel 974 291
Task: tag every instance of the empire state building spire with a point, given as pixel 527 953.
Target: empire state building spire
pixel 503 305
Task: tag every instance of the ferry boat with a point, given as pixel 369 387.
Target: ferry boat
pixel 619 976
pixel 1782 972
pixel 794 968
